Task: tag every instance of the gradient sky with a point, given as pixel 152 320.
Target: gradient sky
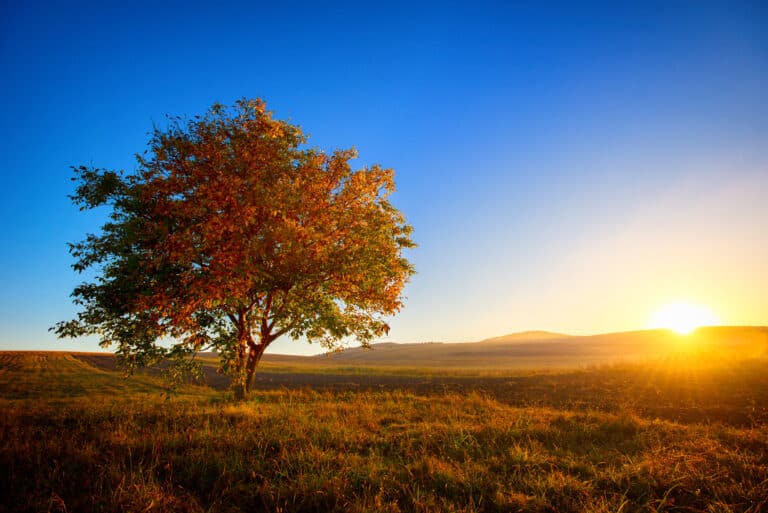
pixel 570 168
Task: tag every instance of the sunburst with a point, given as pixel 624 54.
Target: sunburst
pixel 683 318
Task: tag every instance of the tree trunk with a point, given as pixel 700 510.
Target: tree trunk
pixel 239 378
pixel 238 388
pixel 254 357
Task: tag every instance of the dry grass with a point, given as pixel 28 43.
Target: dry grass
pixel 76 438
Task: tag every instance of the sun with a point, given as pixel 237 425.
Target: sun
pixel 683 318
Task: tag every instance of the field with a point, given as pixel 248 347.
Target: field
pixel 667 435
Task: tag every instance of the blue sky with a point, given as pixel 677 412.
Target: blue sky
pixel 565 167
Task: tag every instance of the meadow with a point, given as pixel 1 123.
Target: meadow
pixel 665 435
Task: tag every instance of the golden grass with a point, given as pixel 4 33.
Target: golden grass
pixel 75 438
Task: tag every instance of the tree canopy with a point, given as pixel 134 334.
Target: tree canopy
pixel 232 232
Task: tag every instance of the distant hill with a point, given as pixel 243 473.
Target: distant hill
pixel 541 349
pixel 526 336
pixel 526 350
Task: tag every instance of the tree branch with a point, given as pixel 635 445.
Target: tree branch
pixel 265 326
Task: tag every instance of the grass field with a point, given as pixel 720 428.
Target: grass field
pixel 662 436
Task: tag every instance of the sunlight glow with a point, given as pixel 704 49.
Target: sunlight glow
pixel 683 318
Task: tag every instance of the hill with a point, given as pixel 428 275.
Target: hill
pixel 541 349
pixel 516 351
pixel 526 336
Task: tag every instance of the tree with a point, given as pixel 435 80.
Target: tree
pixel 230 233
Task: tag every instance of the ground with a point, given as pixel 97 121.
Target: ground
pixel 662 436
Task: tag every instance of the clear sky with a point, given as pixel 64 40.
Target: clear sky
pixel 566 167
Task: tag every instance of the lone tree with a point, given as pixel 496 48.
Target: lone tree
pixel 231 233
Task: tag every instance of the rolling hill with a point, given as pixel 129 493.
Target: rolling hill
pixel 539 349
pixel 527 350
